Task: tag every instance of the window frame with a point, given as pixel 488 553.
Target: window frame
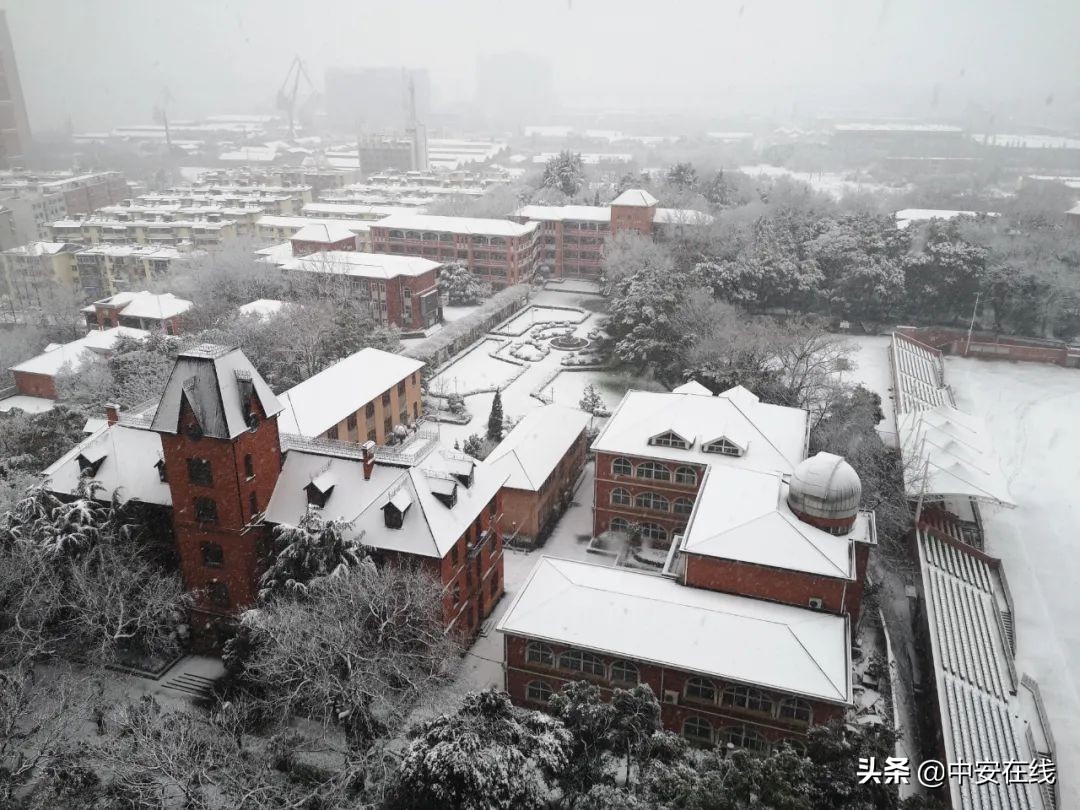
pixel 617 465
pixel 700 722
pixel 686 502
pixel 696 683
pixel 683 472
pixel 795 706
pixel 616 497
pixel 652 471
pixel 216 550
pixel 539 654
pixel 538 691
pixel 652 501
pixel 627 666
pixel 200 472
pixel 654 531
pixel 738 696
pixel 587 663
pixel 203 504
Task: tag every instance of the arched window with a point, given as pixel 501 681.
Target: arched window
pixel 697 729
pixel 796 709
pixel 651 531
pixel 622 466
pixel 742 737
pixel 683 506
pixel 536 653
pixel 686 475
pixel 538 692
pixel 650 500
pixel 496 240
pixel 430 237
pixel 397 235
pixel 657 472
pixel 412 235
pixel 619 525
pixel 700 690
pixel 624 672
pixel 578 661
pixel 746 697
pixel 620 497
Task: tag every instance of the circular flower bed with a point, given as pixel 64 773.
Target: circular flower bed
pixel 568 342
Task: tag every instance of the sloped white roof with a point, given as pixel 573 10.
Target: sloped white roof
pixel 649 618
pixel 78 352
pixel 355 209
pixel 533 449
pixel 322 401
pixel 207 378
pixel 364 265
pixel 324 232
pixel 275 221
pixel 130 458
pixel 263 307
pixel 953 455
pixel 743 515
pixel 144 304
pixel 636 197
pixel 21 402
pixel 560 213
pixel 40 249
pixel 774 435
pixel 430 527
pixel 463 225
pixel 692 387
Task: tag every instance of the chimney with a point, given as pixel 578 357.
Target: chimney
pixel 368 448
pixel 112 413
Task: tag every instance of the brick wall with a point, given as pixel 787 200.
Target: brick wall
pixel 606 481
pixel 35 385
pixel 774 584
pixel 993 347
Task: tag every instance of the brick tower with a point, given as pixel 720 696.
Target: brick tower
pixel 218 423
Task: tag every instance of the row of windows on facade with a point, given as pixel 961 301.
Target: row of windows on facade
pixel 695 728
pixel 648 531
pixel 652 501
pixel 654 471
pixel 430 236
pixel 696 689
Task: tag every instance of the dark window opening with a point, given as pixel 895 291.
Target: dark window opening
pixel 213 555
pixel 219 594
pixel 200 472
pixel 206 510
pixel 249 466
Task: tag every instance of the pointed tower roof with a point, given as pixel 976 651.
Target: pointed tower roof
pixel 637 197
pixel 216 382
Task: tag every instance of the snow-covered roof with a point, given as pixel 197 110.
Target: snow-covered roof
pixel 636 197
pixel 644 617
pixel 964 600
pixel 364 265
pixel 533 449
pixel 129 458
pixel 898 127
pixel 40 249
pixel 692 387
pixel 1028 141
pixel 773 436
pixel 354 226
pixel 951 454
pixel 144 305
pixel 322 401
pixel 906 216
pixel 327 232
pixel 562 213
pixel 211 380
pixel 78 352
pixel 1074 210
pixel 744 515
pixel 430 526
pixel 361 210
pixel 919 372
pixel 462 225
pixel 263 307
pixel 21 402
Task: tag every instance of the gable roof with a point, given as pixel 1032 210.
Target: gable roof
pixel 636 197
pixel 649 618
pixel 208 379
pixel 775 435
pixel 324 232
pixel 743 515
pixel 692 387
pixel 322 401
pixel 79 352
pixel 536 445
pixel 462 225
pixel 430 527
pixel 144 304
pixel 129 458
pixel 356 263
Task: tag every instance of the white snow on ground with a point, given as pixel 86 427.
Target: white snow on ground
pixel 451 314
pixel 476 370
pixel 870 361
pixel 1031 410
pixel 537 314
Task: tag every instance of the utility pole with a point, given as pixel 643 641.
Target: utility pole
pixel 971 327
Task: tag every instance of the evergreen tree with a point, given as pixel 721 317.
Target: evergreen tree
pixel 591 401
pixel 565 172
pixel 308 553
pixel 495 419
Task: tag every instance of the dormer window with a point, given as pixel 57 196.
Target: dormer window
pixel 724 447
pixel 670 439
pixel 319 490
pixel 90 462
pixel 395 509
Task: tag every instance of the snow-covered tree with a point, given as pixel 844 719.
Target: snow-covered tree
pixel 495 420
pixel 565 172
pixel 489 755
pixel 682 176
pixel 642 318
pixel 305 555
pixel 461 287
pixel 591 401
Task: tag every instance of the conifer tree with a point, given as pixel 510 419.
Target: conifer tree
pixel 495 419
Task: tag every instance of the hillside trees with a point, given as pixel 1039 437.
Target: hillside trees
pixel 564 172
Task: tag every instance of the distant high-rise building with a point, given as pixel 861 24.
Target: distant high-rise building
pixel 514 88
pixel 376 99
pixel 14 124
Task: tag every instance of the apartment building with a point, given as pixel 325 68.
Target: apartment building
pixel 31 268
pixel 282 229
pixel 199 233
pixel 105 269
pixel 498 250
pixel 35 200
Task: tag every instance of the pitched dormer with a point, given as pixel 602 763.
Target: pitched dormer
pixel 724 446
pixel 395 509
pixel 319 490
pixel 90 461
pixel 669 438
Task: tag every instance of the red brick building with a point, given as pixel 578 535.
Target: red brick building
pixel 542 456
pixel 745 633
pixel 36 377
pixel 572 236
pixel 403 290
pixel 152 312
pixel 322 237
pixel 211 453
pixel 498 250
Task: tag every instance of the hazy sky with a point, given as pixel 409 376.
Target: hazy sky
pixel 107 62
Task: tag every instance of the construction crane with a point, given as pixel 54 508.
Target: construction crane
pixel 286 99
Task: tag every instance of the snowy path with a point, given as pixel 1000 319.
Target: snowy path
pixel 1032 411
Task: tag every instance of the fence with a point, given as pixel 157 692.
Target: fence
pixel 989 346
